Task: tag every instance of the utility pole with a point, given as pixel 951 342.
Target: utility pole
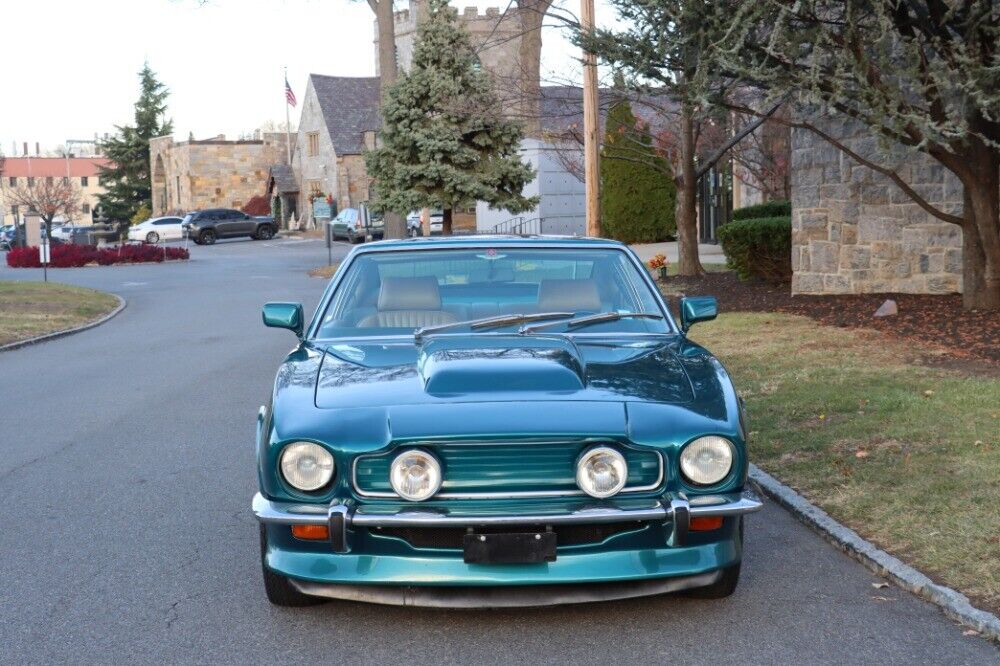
pixel 590 126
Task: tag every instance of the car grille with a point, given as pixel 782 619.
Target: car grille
pixel 452 537
pixel 488 469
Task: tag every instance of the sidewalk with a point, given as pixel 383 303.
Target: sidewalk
pixel 709 254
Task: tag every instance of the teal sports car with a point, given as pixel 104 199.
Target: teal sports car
pixel 498 421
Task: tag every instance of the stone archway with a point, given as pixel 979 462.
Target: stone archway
pixel 159 180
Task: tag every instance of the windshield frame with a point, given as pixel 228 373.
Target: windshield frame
pixel 311 333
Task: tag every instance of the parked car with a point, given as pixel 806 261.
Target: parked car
pixel 62 231
pixel 156 229
pixel 355 225
pixel 204 227
pixel 493 422
pixel 414 227
pixel 8 236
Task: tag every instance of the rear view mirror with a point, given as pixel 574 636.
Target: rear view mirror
pixel 284 315
pixel 697 308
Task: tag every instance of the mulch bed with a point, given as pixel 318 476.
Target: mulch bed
pixel 938 322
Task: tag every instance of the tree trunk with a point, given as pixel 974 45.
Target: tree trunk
pixel 446 222
pixel 686 208
pixel 528 88
pixel 395 224
pixel 981 233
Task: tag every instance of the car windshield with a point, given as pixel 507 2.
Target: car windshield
pixel 187 218
pixel 399 292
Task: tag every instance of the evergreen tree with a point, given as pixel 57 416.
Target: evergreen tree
pixel 127 182
pixel 637 192
pixel 444 140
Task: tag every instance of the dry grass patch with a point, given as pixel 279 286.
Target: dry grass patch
pixel 908 456
pixel 325 272
pixel 28 309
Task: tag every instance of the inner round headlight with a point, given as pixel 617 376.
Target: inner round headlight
pixel 415 475
pixel 601 472
pixel 707 460
pixel 306 466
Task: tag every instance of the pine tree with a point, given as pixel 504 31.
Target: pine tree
pixel 127 182
pixel 637 192
pixel 444 140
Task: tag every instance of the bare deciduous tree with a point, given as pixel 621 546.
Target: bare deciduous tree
pixel 49 197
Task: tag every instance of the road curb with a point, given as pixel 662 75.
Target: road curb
pixel 69 331
pixel 954 604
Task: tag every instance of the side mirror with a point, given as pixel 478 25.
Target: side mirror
pixel 284 315
pixel 697 308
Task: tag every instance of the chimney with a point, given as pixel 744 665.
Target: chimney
pixel 25 148
pixel 38 150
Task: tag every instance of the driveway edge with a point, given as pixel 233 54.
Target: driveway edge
pixel 954 604
pixel 69 331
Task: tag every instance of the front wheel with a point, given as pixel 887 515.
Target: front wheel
pixel 207 237
pixel 152 238
pixel 265 232
pixel 279 590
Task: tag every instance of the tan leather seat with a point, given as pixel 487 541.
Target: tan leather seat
pixel 568 296
pixel 408 303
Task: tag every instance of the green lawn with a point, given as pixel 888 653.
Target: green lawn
pixel 28 309
pixel 908 456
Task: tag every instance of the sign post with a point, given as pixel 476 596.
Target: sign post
pixel 43 253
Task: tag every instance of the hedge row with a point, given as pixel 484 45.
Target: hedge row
pixel 759 247
pixel 74 256
pixel 776 208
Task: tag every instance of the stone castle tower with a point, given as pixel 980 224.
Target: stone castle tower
pixel 495 36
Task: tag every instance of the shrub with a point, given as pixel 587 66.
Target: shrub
pixel 74 256
pixel 776 208
pixel 258 205
pixel 759 247
pixel 142 214
pixel 637 198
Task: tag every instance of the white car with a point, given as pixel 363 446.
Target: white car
pixel 62 230
pixel 415 228
pixel 156 229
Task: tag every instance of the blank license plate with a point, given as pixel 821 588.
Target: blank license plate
pixel 515 548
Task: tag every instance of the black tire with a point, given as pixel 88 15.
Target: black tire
pixel 264 232
pixel 726 585
pixel 207 237
pixel 353 238
pixel 152 238
pixel 279 591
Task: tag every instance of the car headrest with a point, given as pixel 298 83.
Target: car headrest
pixel 568 296
pixel 420 293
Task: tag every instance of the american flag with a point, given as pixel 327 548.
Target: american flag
pixel 289 95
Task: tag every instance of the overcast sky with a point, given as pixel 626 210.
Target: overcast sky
pixel 72 66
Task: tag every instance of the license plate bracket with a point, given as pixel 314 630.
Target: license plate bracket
pixel 510 548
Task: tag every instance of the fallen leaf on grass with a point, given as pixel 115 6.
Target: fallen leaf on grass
pixel 861 454
pixel 928 393
pixel 879 586
pixel 970 632
pixel 881 598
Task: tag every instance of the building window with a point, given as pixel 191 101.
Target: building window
pixel 177 190
pixel 13 181
pixel 313 143
pixel 49 180
pixel 85 208
pixel 65 180
pixel 31 181
pixel 83 181
pixel 314 188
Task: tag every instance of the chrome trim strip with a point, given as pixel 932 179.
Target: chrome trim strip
pixel 702 506
pixel 521 494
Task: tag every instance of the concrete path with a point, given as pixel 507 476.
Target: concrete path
pixel 126 536
pixel 710 254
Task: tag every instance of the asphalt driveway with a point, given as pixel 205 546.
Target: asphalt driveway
pixel 127 468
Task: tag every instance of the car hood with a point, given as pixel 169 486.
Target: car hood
pixel 488 368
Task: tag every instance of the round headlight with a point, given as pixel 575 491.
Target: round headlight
pixel 415 475
pixel 707 460
pixel 306 466
pixel 601 472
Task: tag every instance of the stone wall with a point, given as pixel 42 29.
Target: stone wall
pixel 193 175
pixel 854 231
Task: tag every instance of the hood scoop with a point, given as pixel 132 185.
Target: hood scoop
pixel 498 364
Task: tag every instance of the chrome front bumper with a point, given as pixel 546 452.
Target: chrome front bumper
pixel 341 518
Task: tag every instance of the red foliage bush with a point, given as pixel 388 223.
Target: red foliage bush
pixel 74 256
pixel 258 205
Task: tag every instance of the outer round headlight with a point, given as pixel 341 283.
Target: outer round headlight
pixel 601 472
pixel 306 466
pixel 415 475
pixel 707 460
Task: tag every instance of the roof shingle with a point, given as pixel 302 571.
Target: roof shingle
pixel 350 107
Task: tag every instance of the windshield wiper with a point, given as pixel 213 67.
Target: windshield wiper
pixel 592 319
pixel 490 322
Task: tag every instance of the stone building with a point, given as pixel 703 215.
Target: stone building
pixel 213 173
pixel 854 231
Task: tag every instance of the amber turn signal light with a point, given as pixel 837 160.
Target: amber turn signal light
pixel 311 532
pixel 705 523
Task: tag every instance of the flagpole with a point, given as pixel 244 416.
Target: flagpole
pixel 288 125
